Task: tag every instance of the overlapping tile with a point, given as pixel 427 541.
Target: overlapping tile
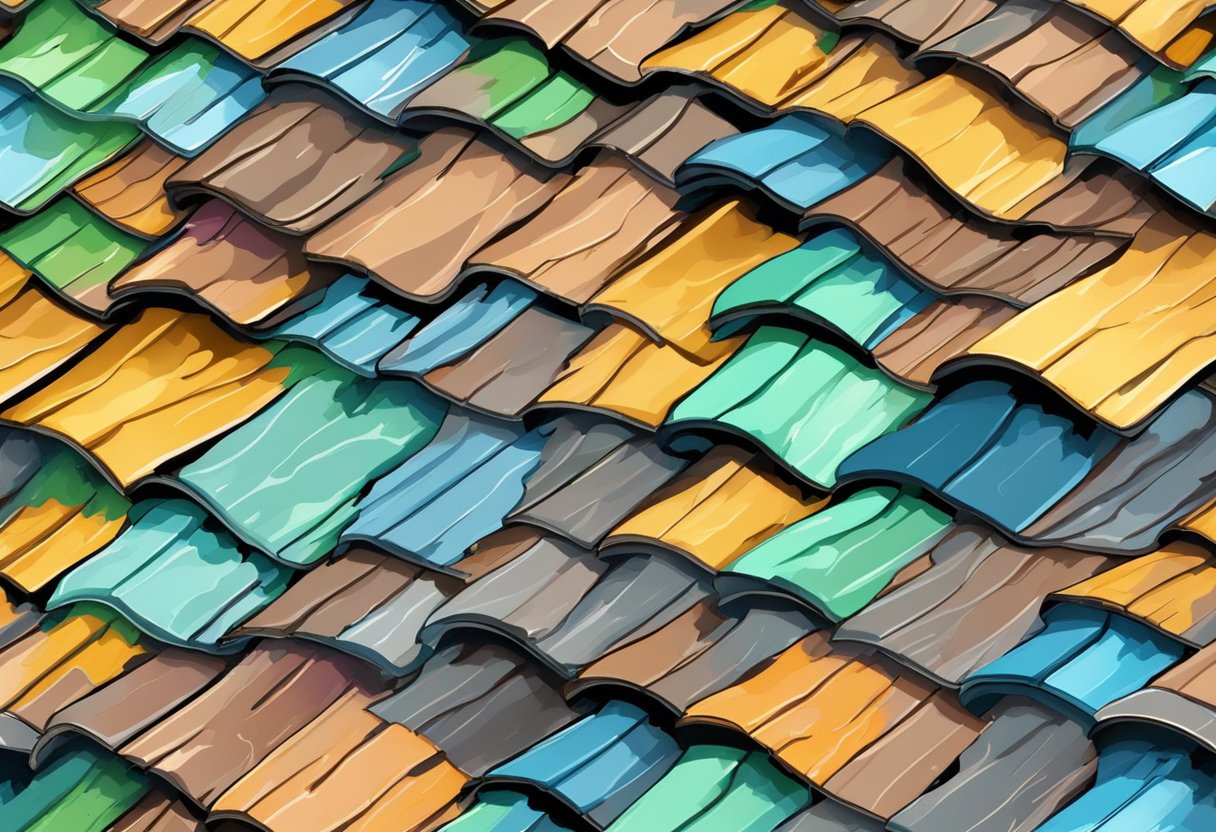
pixel 1167 589
pixel 1070 666
pixel 249 28
pixel 287 481
pixel 598 765
pixel 1141 782
pixel 950 250
pixel 181 370
pixel 140 573
pixel 847 721
pixel 296 162
pixel 612 36
pixel 1045 478
pixel 57 511
pixel 803 401
pixel 990 590
pixel 568 607
pixel 1061 60
pixel 450 201
pixel 588 453
pixel 228 264
pixel 387 54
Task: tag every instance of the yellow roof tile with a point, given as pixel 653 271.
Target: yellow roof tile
pixel 161 384
pixel 625 373
pixel 1173 588
pixel 721 507
pixel 1121 342
pixel 671 293
pixel 971 141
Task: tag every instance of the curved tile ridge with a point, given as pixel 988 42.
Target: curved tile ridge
pixel 81 67
pixel 45 150
pixel 1182 700
pixel 1029 763
pixel 715 787
pixel 478 474
pixel 453 199
pixel 1056 57
pixel 972 142
pixel 166 546
pixel 951 251
pixel 369 605
pixel 480 704
pixel 1170 589
pixel 389 52
pixel 296 162
pixel 254 30
pixel 805 402
pixel 348 321
pixel 1090 200
pixel 840 558
pixel 796 160
pixel 130 192
pixel 567 607
pixel 81 789
pixel 836 282
pixel 73 251
pixel 613 37
pixel 609 215
pixel 287 480
pixel 977 598
pixel 56 510
pixel 1167 30
pixel 700 652
pixel 669 293
pixel 362 773
pixel 1080 661
pixel 1076 485
pixel 597 766
pixel 847 720
pixel 1161 127
pixel 1141 783
pixel 626 375
pixel 494 350
pixel 773 57
pixel 203 726
pixel 41 335
pixel 53 660
pixel 1172 31
pixel 67 56
pixel 722 506
pixel 1153 296
pixel 157 387
pixel 509 86
pixel 228 264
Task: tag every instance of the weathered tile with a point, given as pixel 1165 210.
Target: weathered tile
pixel 452 200
pixel 227 263
pixel 296 162
pixel 1081 660
pixel 597 766
pixel 805 402
pixel 176 576
pixel 989 590
pixel 287 481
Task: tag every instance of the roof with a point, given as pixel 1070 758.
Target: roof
pixel 607 416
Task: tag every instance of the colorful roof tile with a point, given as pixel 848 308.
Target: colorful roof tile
pixel 615 415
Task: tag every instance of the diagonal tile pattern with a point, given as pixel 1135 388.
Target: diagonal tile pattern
pixel 614 415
